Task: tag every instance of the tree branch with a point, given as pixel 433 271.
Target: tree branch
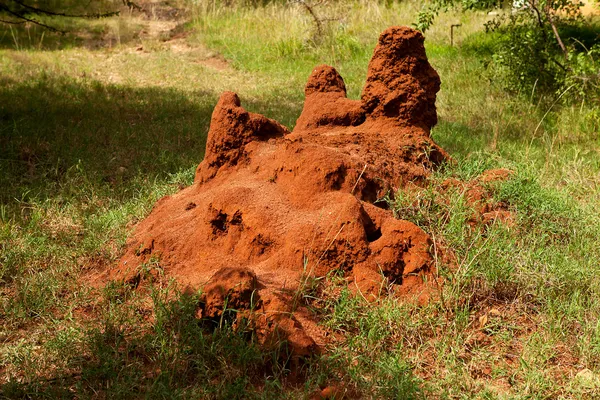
pixel 310 10
pixel 11 22
pixel 559 64
pixel 556 35
pixel 537 13
pixel 19 16
pixel 24 13
pixel 131 4
pixel 36 10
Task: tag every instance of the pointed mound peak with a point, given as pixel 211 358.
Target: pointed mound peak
pixel 325 79
pixel 401 84
pixel 326 104
pixel 231 129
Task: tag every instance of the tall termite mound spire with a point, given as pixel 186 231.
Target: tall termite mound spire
pixel 401 85
pixel 270 207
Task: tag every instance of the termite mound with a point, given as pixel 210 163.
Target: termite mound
pixel 270 207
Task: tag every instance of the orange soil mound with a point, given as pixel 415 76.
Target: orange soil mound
pixel 269 206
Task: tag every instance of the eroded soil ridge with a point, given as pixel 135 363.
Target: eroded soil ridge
pixel 270 209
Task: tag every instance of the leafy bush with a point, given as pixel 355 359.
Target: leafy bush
pixel 528 59
pixel 545 48
pixel 525 58
pixel 584 76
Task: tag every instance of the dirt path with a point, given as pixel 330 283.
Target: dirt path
pixel 165 24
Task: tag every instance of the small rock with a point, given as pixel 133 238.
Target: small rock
pixel 588 379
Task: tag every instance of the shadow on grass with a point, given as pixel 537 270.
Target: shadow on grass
pixel 64 140
pixel 55 128
pixel 175 356
pixel 460 140
pixel 66 32
pixel 78 33
pixel 179 356
pixel 60 136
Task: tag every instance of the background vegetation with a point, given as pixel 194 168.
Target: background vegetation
pixel 96 125
pixel 541 47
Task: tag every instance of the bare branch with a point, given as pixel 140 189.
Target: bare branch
pixel 538 15
pixel 559 64
pixel 36 10
pixel 132 5
pixel 310 10
pixel 555 31
pixel 3 21
pixel 33 21
pixel 24 13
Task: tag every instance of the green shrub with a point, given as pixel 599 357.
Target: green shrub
pixel 529 60
pixel 545 48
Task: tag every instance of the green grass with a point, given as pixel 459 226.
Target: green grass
pixel 164 360
pixel 534 283
pixel 90 138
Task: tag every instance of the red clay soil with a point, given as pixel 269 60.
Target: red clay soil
pixel 270 207
pixel 477 193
